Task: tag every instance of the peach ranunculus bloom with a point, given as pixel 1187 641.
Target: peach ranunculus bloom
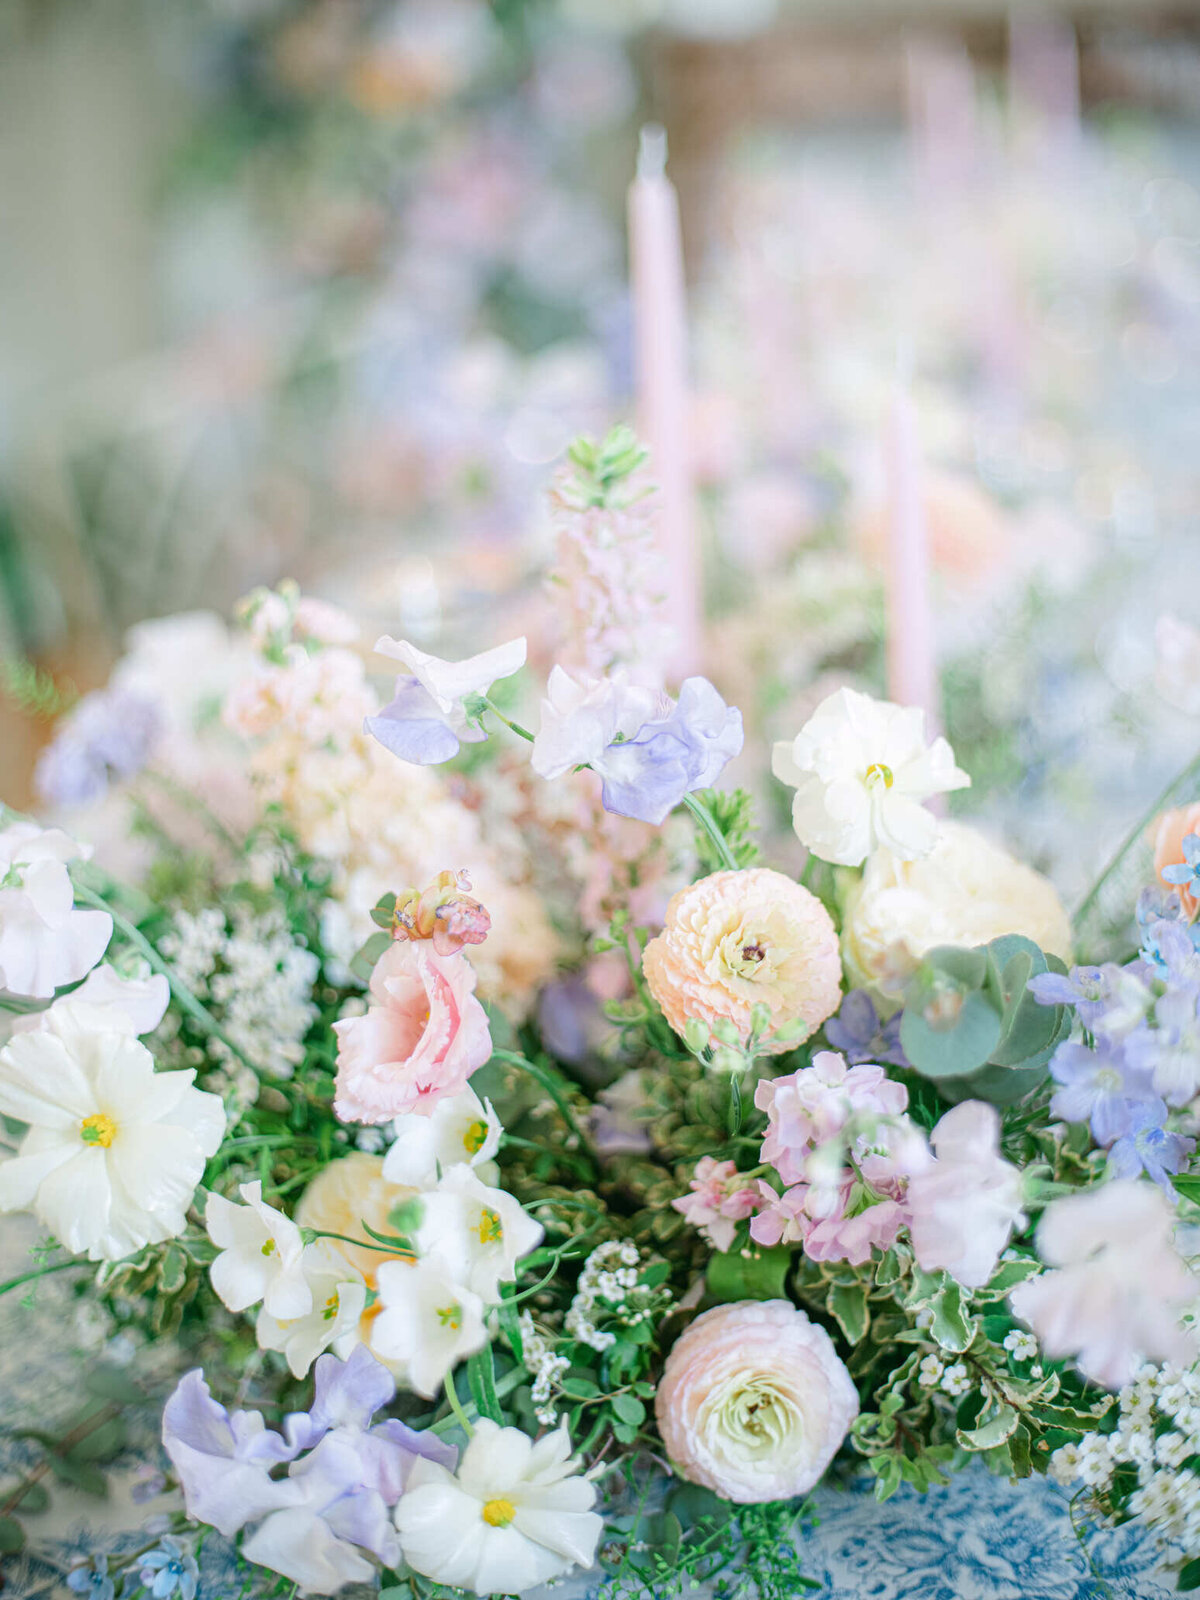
pixel 735 940
pixel 423 1035
pixel 754 1402
pixel 1169 832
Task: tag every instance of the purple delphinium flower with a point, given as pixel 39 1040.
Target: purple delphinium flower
pixel 1099 1087
pixel 169 1570
pixel 92 1580
pixel 1169 1052
pixel 108 734
pixel 647 776
pixel 1186 873
pixel 1150 1147
pixel 857 1033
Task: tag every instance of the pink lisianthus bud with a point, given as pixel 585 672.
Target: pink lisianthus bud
pixel 423 1035
pixel 444 913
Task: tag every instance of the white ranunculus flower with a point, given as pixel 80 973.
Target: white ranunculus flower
pixel 45 941
pixel 967 891
pixel 428 1323
pixel 261 1255
pixel 115 1149
pixel 861 769
pixel 130 1005
pixel 461 1131
pixel 515 1514
pixel 477 1232
pixel 338 1298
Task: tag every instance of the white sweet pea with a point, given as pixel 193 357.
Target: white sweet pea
pixel 114 1149
pixel 429 1322
pixel 45 941
pixel 129 1005
pixel 582 718
pixel 461 1131
pixel 338 1298
pixel 520 1512
pixel 861 768
pixel 431 712
pixel 964 1204
pixel 480 1233
pixel 261 1256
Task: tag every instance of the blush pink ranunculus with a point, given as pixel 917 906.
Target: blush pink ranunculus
pixel 754 1401
pixel 423 1035
pixel 1170 830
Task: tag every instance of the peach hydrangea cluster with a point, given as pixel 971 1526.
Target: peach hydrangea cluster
pixel 737 941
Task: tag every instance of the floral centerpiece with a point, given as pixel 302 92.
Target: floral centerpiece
pixel 781 1179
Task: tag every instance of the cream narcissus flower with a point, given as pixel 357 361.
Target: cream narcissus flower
pixel 861 769
pixel 338 1298
pixel 45 941
pixel 515 1514
pixel 477 1232
pixel 461 1131
pixel 261 1255
pixel 114 1149
pixel 967 891
pixel 737 940
pixel 426 1323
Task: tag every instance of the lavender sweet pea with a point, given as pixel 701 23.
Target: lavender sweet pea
pixel 437 704
pixel 109 734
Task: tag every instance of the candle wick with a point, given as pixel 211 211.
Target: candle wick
pixel 652 151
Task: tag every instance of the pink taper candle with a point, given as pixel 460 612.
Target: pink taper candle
pixel 661 374
pixel 911 668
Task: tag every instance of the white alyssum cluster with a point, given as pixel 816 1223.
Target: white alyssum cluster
pixel 608 1288
pixel 1167 1497
pixel 257 977
pixel 544 1367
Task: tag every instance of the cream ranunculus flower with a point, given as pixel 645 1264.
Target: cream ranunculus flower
pixel 754 1401
pixel 515 1515
pixel 114 1149
pixel 861 769
pixel 967 891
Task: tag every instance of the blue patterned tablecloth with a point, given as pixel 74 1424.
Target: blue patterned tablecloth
pixel 978 1539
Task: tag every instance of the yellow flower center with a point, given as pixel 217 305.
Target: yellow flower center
pixel 450 1317
pixel 268 1248
pixel 475 1138
pixel 878 774
pixel 498 1513
pixel 98 1129
pixel 330 1310
pixel 491 1229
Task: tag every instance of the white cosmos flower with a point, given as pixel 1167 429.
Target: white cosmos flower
pixel 44 940
pixel 428 1322
pixel 479 1232
pixel 130 1005
pixel 461 1131
pixel 114 1149
pixel 515 1514
pixel 338 1298
pixel 861 768
pixel 261 1255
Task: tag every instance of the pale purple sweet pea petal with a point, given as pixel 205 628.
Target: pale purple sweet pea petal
pixel 221 1461
pixel 647 776
pixel 347 1394
pixel 412 727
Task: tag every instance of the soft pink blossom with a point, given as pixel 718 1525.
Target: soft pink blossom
pixel 963 1207
pixel 754 1402
pixel 423 1035
pixel 1118 1287
pixel 809 1107
pixel 720 1198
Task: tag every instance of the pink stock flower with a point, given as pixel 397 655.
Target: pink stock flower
pixel 811 1106
pixel 423 1035
pixel 754 1402
pixel 1118 1287
pixel 720 1198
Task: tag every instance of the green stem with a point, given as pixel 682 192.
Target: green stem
pixel 542 1077
pixel 39 1272
pixel 457 1407
pixel 200 1014
pixel 515 727
pixel 1192 770
pixel 716 838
